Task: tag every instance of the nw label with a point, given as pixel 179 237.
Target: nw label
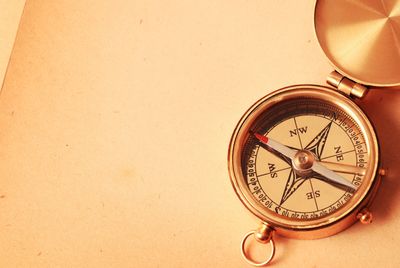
pixel 294 132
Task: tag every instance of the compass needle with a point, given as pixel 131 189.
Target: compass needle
pixel 276 146
pixel 332 176
pixel 328 175
pixel 343 168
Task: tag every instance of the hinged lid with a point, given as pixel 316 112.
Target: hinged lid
pixel 361 38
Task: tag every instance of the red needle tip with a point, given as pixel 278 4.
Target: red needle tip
pixel 261 138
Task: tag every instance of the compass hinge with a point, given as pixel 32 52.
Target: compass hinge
pixel 346 86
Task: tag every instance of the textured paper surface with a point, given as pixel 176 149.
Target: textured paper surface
pixel 115 120
pixel 10 15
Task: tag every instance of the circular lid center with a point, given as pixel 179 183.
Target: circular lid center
pixel 361 39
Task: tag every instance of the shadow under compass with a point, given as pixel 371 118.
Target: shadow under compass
pixel 382 106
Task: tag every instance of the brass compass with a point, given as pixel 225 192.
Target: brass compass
pixel 305 159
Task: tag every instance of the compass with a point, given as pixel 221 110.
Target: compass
pixel 305 159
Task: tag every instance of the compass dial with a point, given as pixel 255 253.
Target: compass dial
pixel 303 158
pixel 329 134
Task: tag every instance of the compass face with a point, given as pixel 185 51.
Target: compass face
pixel 335 145
pixel 329 133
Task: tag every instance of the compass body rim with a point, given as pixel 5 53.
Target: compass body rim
pixel 321 227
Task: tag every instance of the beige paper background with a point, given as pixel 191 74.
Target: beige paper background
pixel 10 16
pixel 115 122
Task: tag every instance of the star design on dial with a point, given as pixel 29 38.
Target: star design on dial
pixel 316 146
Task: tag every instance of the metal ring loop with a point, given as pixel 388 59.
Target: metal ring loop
pixel 247 258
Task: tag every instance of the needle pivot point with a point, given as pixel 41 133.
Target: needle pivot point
pixel 303 160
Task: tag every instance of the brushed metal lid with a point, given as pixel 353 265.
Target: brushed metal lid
pixel 361 38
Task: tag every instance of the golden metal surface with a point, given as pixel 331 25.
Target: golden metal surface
pixel 264 233
pixel 345 85
pixel 334 79
pixel 361 38
pixel 342 217
pixel 365 216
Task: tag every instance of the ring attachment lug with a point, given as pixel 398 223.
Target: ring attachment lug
pixel 263 235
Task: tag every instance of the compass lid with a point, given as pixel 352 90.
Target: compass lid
pixel 361 38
